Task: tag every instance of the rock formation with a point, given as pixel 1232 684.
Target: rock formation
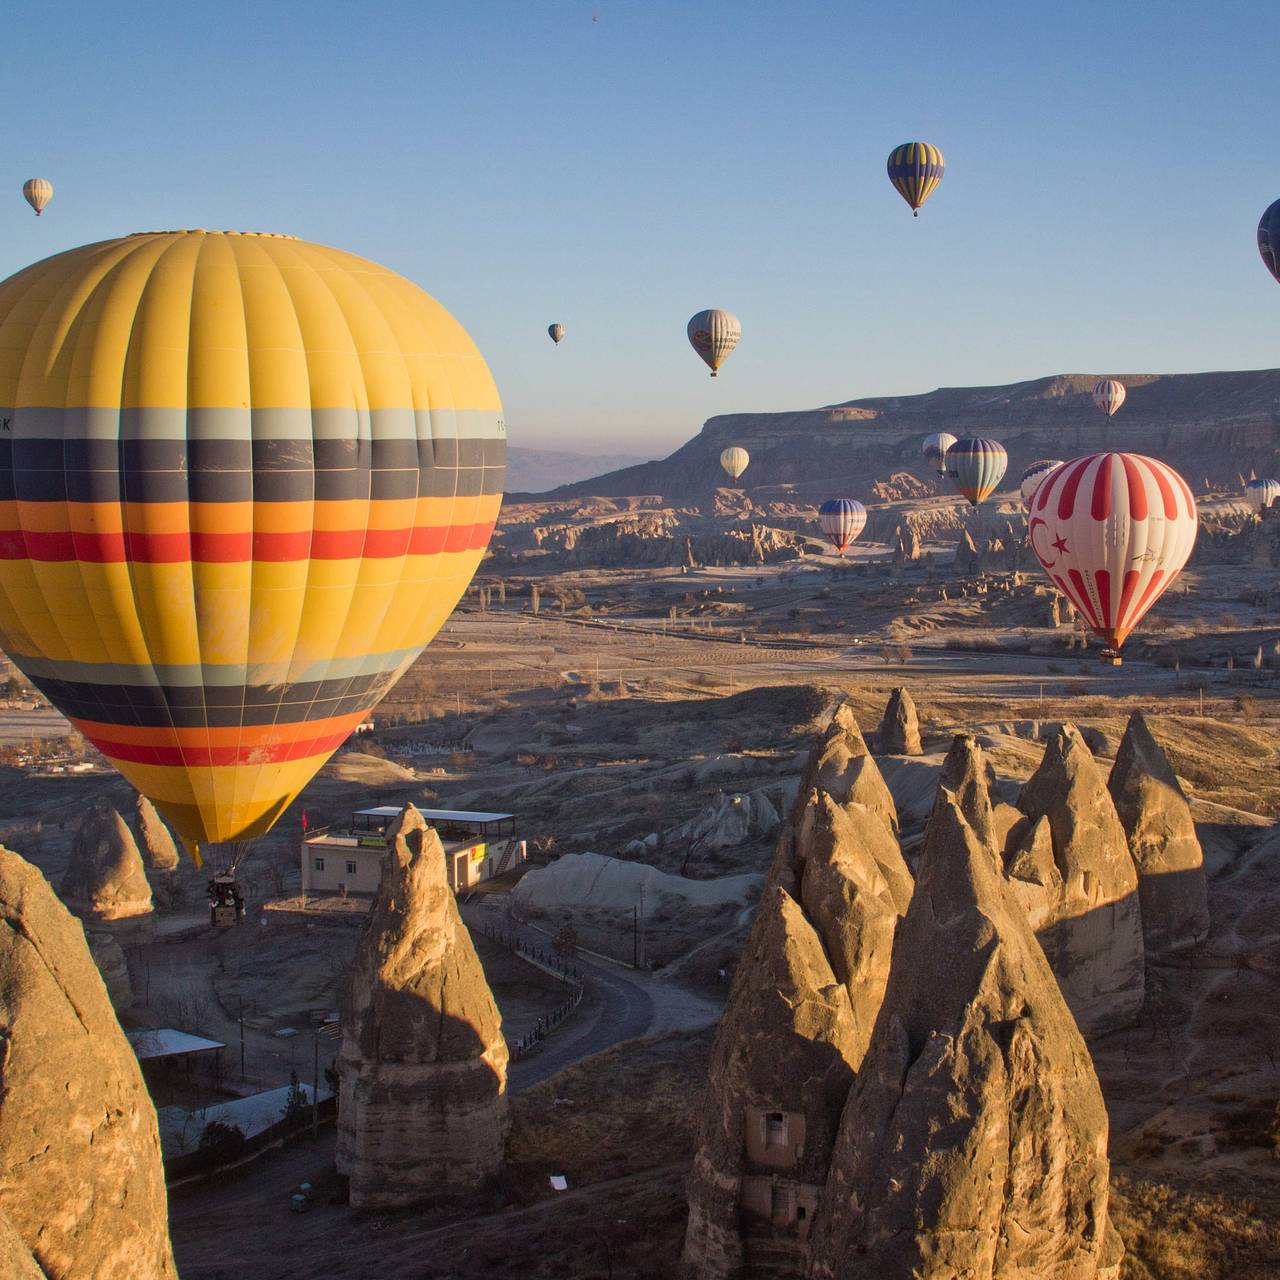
pixel 1094 936
pixel 175 881
pixel 730 820
pixel 1163 842
pixel 968 559
pixel 800 1012
pixel 899 733
pixel 842 766
pixel 422 1107
pixel 105 879
pixel 82 1183
pixel 112 966
pixel 973 1142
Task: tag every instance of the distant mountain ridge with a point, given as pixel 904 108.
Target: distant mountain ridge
pixel 532 470
pixel 1214 425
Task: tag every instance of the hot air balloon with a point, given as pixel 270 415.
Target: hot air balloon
pixel 1033 475
pixel 556 332
pixel 1261 494
pixel 713 335
pixel 1112 531
pixel 38 193
pixel 1108 395
pixel 976 466
pixel 246 478
pixel 734 460
pixel 915 169
pixel 1269 239
pixel 935 449
pixel 842 519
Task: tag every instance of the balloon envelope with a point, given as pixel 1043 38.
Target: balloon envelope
pixel 915 169
pixel 935 449
pixel 246 478
pixel 1260 494
pixel 1108 395
pixel 734 460
pixel 713 335
pixel 1033 475
pixel 556 331
pixel 1269 239
pixel 38 193
pixel 1112 531
pixel 976 466
pixel 842 519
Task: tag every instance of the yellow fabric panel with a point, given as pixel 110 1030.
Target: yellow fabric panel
pixel 219 320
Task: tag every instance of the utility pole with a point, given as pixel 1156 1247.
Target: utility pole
pixel 635 937
pixel 242 1037
pixel 315 1082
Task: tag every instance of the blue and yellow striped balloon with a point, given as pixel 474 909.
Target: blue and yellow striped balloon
pixel 975 466
pixel 915 169
pixel 243 481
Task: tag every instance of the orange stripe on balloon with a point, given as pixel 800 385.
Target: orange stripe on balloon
pixel 231 735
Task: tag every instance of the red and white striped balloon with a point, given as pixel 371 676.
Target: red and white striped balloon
pixel 1112 531
pixel 1109 395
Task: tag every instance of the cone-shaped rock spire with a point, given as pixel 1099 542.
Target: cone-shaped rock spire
pixel 423 1066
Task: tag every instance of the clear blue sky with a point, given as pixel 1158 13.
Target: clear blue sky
pixel 1106 167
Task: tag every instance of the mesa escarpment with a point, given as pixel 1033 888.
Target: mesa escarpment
pixel 422 1106
pixel 1203 424
pixel 81 1179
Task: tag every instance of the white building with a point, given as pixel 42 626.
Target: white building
pixel 348 860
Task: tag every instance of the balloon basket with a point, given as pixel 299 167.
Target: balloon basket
pixel 1110 657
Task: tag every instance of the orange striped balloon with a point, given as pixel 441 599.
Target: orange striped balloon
pixel 243 480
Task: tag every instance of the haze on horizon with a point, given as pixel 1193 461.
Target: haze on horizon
pixel 526 164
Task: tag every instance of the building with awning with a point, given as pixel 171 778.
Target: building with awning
pixel 346 859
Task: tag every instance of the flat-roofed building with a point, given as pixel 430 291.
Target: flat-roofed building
pixel 347 859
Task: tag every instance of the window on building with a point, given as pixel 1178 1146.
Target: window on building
pixel 319 864
pixel 780 1204
pixel 775 1129
pixel 351 866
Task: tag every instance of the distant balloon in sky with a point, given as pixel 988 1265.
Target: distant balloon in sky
pixel 1108 395
pixel 915 169
pixel 556 331
pixel 842 519
pixel 1033 475
pixel 713 335
pixel 734 460
pixel 1261 494
pixel 935 449
pixel 976 466
pixel 1269 239
pixel 38 193
pixel 1112 531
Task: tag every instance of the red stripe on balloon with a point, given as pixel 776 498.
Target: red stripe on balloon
pixel 1130 582
pixel 1137 487
pixel 1102 580
pixel 1101 506
pixel 1070 483
pixel 1081 597
pixel 206 757
pixel 1167 495
pixel 230 548
pixel 1149 596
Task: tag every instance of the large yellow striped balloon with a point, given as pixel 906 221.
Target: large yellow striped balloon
pixel 243 480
